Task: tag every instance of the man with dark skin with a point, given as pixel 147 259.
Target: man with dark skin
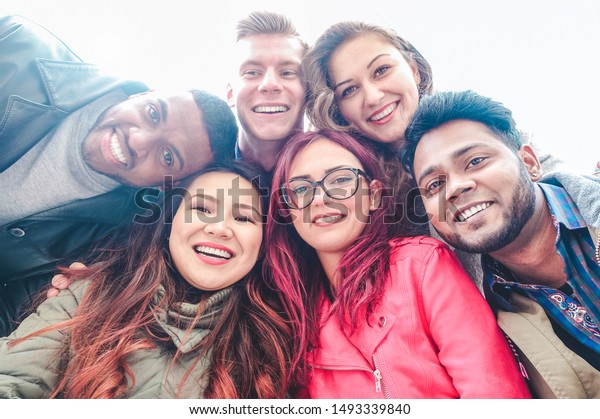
pixel 75 147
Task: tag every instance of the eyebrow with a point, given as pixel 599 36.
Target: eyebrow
pixel 164 108
pixel 207 197
pixel 251 208
pixel 306 177
pixel 260 64
pixel 368 67
pixel 453 156
pixel 238 204
pixel 375 59
pixel 179 156
pixel 340 83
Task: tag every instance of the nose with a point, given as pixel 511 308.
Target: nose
pixel 270 82
pixel 456 186
pixel 320 198
pixel 373 94
pixel 141 142
pixel 219 228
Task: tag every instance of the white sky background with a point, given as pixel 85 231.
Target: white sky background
pixel 540 58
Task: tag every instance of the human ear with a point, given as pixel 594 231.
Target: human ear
pixel 376 190
pixel 531 162
pixel 415 70
pixel 229 95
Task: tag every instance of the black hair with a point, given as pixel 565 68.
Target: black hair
pixel 220 124
pixel 440 108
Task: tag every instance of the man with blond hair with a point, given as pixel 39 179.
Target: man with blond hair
pixel 269 92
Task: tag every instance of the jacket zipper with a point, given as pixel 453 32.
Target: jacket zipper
pixel 378 382
pixel 376 374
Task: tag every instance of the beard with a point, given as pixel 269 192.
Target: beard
pixel 513 220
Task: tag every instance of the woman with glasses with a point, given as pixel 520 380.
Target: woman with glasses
pixel 374 317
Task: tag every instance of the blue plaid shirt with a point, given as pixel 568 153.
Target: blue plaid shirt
pixel 578 313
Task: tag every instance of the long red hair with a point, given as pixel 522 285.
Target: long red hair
pixel 250 350
pixel 295 269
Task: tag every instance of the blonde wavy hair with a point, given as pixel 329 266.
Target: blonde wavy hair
pixel 322 109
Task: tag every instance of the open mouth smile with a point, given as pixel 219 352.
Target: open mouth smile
pixel 328 219
pixel 270 109
pixel 116 150
pixel 384 112
pixel 213 253
pixel 464 215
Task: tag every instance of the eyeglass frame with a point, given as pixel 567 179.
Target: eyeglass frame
pixel 357 173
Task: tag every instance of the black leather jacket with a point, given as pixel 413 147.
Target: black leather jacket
pixel 41 82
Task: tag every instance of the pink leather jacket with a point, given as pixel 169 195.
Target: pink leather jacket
pixel 433 336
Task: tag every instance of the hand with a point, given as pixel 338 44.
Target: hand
pixel 61 282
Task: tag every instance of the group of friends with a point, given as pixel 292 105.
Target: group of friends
pixel 406 244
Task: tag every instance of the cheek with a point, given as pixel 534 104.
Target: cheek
pixel 362 207
pixel 301 222
pixel 243 92
pixel 175 239
pixel 254 241
pixel 184 225
pixel 350 109
pixel 176 250
pixel 436 211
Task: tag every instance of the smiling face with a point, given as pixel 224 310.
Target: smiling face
pixel 270 92
pixel 478 191
pixel 375 87
pixel 329 226
pixel 149 136
pixel 216 235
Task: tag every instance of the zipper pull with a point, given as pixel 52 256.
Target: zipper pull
pixel 377 375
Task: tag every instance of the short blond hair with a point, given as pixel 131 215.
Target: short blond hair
pixel 263 22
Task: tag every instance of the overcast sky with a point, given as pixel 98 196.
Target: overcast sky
pixel 537 57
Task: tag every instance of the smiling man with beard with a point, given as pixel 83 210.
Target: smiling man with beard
pixel 75 146
pixel 539 237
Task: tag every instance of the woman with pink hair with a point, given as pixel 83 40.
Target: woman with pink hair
pixel 374 316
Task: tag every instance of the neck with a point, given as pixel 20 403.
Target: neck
pixel 532 256
pixel 330 263
pixel 263 153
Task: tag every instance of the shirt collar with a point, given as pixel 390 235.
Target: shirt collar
pixel 562 207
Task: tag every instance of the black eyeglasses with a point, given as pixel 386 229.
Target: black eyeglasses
pixel 338 184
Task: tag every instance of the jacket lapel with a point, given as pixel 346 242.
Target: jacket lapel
pixel 66 86
pixel 71 85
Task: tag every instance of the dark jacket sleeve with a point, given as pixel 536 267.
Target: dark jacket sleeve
pixel 42 81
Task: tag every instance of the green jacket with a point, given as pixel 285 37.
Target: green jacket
pixel 32 368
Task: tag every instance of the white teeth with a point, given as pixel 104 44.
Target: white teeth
pixel 115 149
pixel 465 215
pixel 209 251
pixel 270 109
pixel 388 110
pixel 328 219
